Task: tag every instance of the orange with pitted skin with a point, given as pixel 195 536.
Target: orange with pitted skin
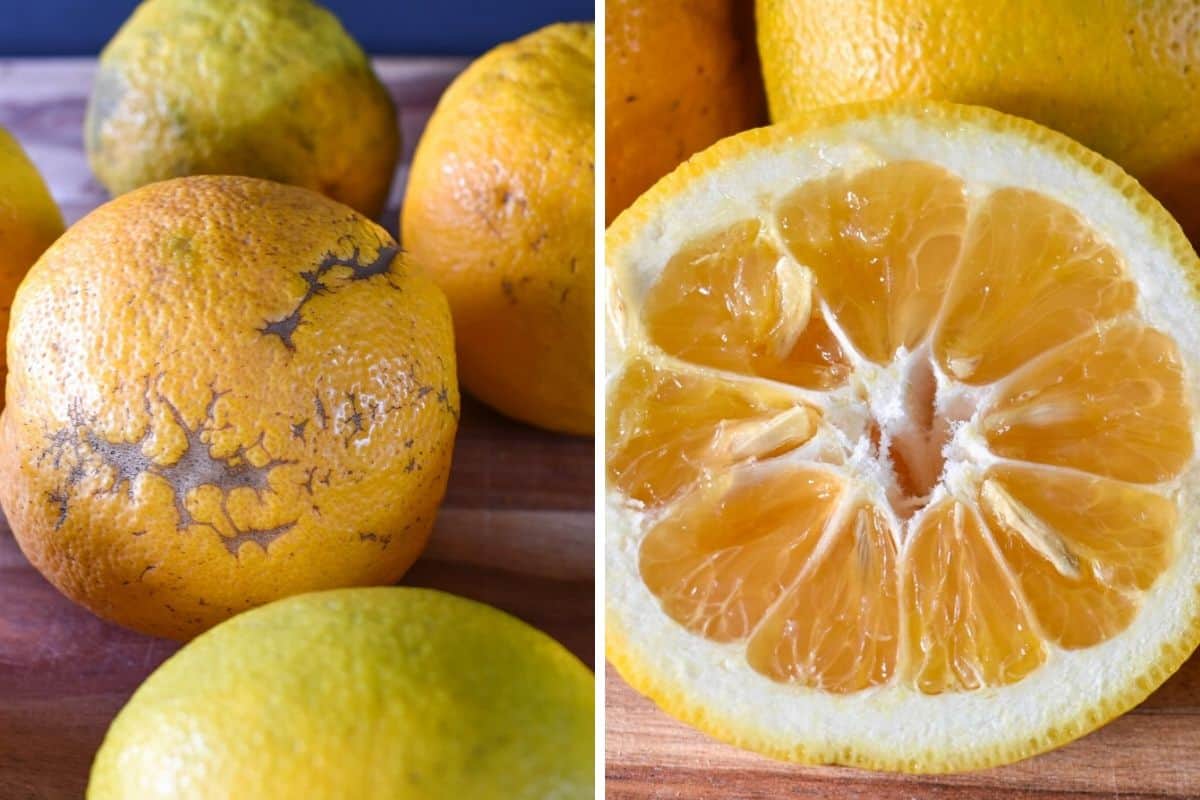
pixel 680 74
pixel 499 210
pixel 224 391
pixel 1120 77
pixel 29 221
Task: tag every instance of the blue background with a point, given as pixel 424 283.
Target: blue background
pixel 385 27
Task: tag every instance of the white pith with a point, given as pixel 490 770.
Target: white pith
pixel 896 723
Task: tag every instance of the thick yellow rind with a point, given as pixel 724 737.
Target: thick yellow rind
pixel 867 755
pixel 674 701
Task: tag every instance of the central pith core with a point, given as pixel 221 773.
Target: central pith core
pixel 908 420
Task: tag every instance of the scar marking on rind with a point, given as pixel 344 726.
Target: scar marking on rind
pixel 195 467
pixel 383 541
pixel 311 476
pixel 260 536
pixel 319 408
pixel 355 418
pixel 61 499
pixel 315 285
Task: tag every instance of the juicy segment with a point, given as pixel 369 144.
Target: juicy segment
pixel 1109 402
pixel 901 227
pixel 1082 548
pixel 1033 274
pixel 837 628
pixel 670 428
pixel 967 626
pixel 727 554
pixel 735 302
pixel 1052 513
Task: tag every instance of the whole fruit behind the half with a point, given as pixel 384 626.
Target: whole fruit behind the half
pixel 680 74
pixel 224 391
pixel 358 694
pixel 499 210
pixel 1121 77
pixel 266 88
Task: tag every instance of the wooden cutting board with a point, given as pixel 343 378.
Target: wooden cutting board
pixel 1151 752
pixel 516 529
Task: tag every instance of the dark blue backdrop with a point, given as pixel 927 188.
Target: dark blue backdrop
pixel 433 27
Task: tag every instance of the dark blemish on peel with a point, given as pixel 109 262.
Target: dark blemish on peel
pixel 61 499
pixel 260 536
pixel 319 407
pixel 355 418
pixel 195 467
pixel 316 284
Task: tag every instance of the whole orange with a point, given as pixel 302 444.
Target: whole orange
pixel 29 221
pixel 500 210
pixel 223 391
pixel 680 74
pixel 1120 77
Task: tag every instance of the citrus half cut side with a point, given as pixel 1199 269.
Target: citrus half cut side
pixel 901 424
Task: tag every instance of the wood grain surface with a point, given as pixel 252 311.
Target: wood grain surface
pixel 516 529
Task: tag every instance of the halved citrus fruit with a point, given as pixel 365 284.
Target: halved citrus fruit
pixel 901 439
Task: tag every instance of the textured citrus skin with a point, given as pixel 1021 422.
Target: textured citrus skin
pixel 729 723
pixel 29 222
pixel 1121 77
pixel 358 693
pixel 499 209
pixel 267 88
pixel 223 391
pixel 680 75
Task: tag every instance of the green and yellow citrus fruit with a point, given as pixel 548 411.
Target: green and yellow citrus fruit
pixel 371 694
pixel 266 88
